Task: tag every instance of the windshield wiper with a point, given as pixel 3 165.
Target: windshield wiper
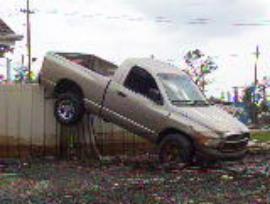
pixel 200 102
pixel 190 102
pixel 182 101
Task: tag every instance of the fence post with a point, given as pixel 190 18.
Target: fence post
pixel 8 70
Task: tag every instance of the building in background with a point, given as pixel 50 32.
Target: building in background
pixel 8 39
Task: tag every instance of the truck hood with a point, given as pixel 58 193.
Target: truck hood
pixel 213 118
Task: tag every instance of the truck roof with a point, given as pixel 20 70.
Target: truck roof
pixel 152 65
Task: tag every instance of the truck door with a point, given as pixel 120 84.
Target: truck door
pixel 137 105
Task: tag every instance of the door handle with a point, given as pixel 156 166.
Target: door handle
pixel 120 93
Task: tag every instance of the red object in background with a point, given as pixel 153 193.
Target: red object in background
pixel 2 77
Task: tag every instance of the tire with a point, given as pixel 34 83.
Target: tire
pixel 69 109
pixel 170 144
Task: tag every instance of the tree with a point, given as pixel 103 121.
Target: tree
pixel 199 66
pixel 248 99
pixel 255 98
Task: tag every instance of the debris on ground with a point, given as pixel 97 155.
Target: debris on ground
pixel 258 147
pixel 135 180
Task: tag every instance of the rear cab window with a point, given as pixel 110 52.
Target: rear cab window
pixel 142 82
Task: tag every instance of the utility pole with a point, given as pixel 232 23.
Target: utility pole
pixel 27 11
pixel 236 94
pixel 22 61
pixel 264 89
pixel 8 70
pixel 257 54
pixel 255 113
pixel 264 94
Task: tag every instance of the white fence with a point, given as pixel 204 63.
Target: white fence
pixel 28 127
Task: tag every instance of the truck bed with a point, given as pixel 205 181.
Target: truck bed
pixel 91 62
pixel 89 73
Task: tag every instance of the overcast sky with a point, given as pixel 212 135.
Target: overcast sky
pixel 228 30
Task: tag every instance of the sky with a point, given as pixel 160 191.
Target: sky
pixel 228 30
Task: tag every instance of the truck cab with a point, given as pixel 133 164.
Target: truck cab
pixel 158 98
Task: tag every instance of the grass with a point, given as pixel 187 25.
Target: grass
pixel 261 136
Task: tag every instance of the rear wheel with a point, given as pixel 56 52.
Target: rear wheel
pixel 175 148
pixel 68 109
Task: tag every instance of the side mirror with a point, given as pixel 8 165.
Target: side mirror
pixel 154 94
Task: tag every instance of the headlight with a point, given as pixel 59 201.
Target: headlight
pixel 208 141
pixel 212 142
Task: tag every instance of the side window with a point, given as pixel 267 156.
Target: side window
pixel 141 82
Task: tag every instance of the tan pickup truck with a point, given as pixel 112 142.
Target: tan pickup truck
pixel 147 97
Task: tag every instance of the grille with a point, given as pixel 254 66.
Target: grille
pixel 238 137
pixel 235 142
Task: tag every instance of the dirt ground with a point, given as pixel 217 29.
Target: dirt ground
pixel 134 180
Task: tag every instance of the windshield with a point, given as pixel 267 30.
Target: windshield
pixel 181 89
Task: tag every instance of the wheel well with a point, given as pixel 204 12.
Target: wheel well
pixel 66 85
pixel 164 133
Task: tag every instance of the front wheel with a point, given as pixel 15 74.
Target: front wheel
pixel 175 148
pixel 68 109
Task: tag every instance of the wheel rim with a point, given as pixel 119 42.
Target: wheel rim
pixel 66 110
pixel 171 153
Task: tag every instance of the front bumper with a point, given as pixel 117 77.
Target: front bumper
pixel 215 154
pixel 232 147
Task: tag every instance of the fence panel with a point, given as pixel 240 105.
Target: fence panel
pixel 25 119
pixel 13 104
pixel 38 115
pixel 50 128
pixel 3 123
pixel 28 127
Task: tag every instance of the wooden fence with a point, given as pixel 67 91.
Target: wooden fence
pixel 28 128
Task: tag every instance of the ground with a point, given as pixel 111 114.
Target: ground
pixel 134 180
pixel 140 179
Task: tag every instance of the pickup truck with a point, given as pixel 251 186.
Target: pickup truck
pixel 148 97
